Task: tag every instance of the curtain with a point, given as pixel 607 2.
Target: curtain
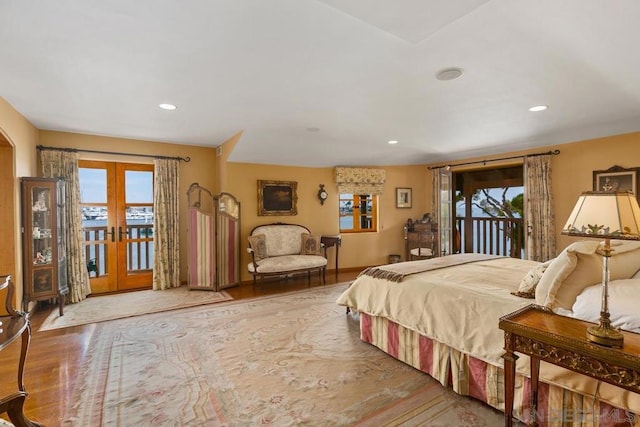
pixel 166 256
pixel 63 164
pixel 441 208
pixel 539 210
pixel 360 180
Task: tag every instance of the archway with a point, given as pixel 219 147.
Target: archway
pixel 8 238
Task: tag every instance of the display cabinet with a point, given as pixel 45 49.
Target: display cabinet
pixel 43 241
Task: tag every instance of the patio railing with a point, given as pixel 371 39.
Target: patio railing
pixel 139 248
pixel 496 236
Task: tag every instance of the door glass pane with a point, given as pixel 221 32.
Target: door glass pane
pixel 139 218
pixel 138 187
pixel 93 199
pixel 93 185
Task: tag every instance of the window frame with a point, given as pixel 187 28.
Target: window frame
pixel 356 214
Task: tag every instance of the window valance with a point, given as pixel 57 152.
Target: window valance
pixel 360 180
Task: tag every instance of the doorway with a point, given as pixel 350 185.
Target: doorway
pixel 489 211
pixel 117 217
pixel 7 211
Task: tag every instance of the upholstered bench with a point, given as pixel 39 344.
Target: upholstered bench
pixel 281 249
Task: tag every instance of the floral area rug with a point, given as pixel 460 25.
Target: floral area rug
pixel 110 307
pixel 293 359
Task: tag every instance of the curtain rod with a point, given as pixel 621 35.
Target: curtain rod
pixel 484 162
pixel 76 150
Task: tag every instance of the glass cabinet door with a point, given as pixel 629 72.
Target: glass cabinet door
pixel 42 252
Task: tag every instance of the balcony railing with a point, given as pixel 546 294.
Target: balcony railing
pixel 496 236
pixel 139 248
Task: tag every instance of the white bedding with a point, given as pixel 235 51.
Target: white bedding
pixel 459 306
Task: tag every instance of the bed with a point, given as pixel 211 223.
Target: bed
pixel 441 317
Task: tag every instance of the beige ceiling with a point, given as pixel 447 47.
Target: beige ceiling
pixel 326 82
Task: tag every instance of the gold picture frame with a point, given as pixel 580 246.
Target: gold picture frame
pixel 277 198
pixel 403 198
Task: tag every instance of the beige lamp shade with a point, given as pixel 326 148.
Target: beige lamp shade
pixel 606 214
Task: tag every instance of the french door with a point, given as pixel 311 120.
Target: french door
pixel 117 211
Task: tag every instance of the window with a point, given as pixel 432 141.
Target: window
pixel 358 213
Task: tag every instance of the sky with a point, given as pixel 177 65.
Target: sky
pixel 93 186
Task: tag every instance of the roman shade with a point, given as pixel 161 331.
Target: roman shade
pixel 360 180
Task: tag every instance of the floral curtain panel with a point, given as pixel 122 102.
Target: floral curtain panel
pixel 166 256
pixel 541 240
pixel 63 164
pixel 360 180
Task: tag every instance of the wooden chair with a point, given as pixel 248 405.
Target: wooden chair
pixel 421 242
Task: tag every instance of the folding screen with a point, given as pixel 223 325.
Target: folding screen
pixel 214 239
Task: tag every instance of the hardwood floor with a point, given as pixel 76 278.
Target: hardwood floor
pixel 55 356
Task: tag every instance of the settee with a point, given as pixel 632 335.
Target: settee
pixel 281 249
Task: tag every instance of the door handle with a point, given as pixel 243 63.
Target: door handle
pixel 120 233
pixel 113 234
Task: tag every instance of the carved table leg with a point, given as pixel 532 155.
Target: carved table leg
pixel 509 378
pixel 535 375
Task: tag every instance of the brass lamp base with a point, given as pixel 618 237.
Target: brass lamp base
pixel 604 334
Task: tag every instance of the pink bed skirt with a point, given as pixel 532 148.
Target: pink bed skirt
pixel 469 376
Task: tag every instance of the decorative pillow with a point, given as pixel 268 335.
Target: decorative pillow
pixel 624 299
pixel 258 244
pixel 527 287
pixel 580 266
pixel 310 244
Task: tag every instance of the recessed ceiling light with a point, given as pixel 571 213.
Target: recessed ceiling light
pixel 538 108
pixel 393 142
pixel 167 106
pixel 449 73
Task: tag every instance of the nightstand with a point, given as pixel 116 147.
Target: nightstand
pixel 562 341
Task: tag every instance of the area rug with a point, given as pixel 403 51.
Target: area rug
pixel 285 360
pixel 110 307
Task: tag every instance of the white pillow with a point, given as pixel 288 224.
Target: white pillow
pixel 579 266
pixel 527 286
pixel 624 300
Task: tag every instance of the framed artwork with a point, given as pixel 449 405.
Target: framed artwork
pixel 403 197
pixel 617 178
pixel 277 198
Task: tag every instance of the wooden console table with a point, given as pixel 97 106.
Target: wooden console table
pixel 329 241
pixel 562 341
pixel 12 326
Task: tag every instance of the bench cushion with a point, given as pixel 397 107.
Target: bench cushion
pixel 281 239
pixel 287 263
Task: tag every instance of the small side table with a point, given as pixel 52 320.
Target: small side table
pixel 562 341
pixel 11 327
pixel 329 241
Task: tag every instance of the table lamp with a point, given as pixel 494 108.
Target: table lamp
pixel 605 215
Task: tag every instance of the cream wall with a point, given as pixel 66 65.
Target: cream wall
pixel 573 170
pixel 19 138
pixel 200 169
pixel 357 250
